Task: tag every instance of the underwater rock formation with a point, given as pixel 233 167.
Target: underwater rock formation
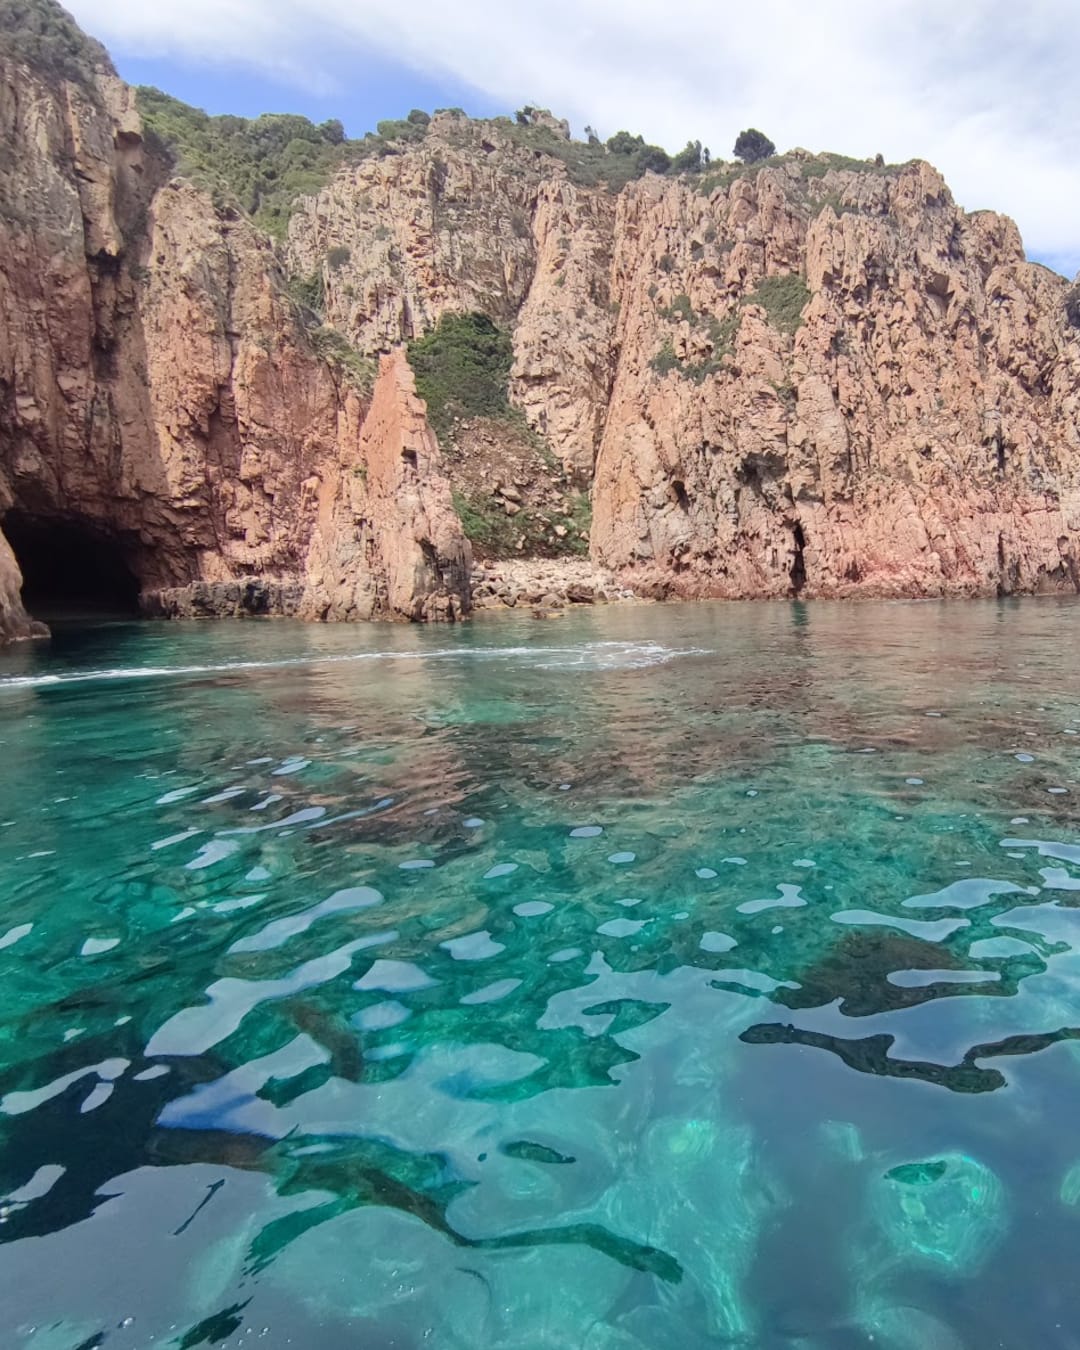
pixel 947 1213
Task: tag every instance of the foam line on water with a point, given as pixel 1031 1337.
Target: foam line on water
pixel 598 655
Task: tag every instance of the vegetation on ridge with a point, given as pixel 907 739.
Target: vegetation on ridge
pixel 263 164
pixel 783 299
pixel 44 36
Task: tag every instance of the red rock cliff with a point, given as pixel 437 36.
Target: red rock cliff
pixel 159 396
pixel 818 377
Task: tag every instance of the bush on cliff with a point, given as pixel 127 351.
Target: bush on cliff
pixel 783 300
pixel 528 534
pixel 693 158
pixel 263 163
pixel 462 369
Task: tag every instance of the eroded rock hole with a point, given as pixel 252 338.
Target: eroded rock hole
pixel 70 568
pixel 798 562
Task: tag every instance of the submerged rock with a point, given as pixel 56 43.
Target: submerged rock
pixel 947 1212
pixel 902 1327
pixel 696 1191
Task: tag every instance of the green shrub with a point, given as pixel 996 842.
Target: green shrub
pixel 591 163
pixel 665 360
pixel 820 165
pixel 309 293
pixel 786 393
pixel 263 164
pixel 622 143
pixel 753 145
pixel 653 159
pixel 679 309
pixel 462 369
pixel 783 300
pixel 721 178
pixel 494 534
pixel 722 333
pixel 836 201
pixel 42 35
pixel 337 257
pixel 692 159
pixel 700 371
pixel 402 129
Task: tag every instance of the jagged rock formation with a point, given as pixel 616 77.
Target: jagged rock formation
pixel 15 623
pixel 817 376
pixel 161 400
pixel 917 434
pixel 392 507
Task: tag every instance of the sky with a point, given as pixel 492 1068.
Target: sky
pixel 984 89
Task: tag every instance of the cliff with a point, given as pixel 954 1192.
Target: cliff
pixel 815 376
pixel 163 403
pixel 819 376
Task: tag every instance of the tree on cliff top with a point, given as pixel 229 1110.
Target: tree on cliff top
pixel 752 145
pixel 692 159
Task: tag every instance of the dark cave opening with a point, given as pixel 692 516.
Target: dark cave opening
pixel 798 562
pixel 70 569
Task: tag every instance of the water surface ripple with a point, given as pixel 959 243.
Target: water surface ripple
pixel 663 977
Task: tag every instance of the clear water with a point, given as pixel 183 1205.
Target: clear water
pixel 658 977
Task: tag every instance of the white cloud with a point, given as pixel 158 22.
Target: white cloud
pixel 984 89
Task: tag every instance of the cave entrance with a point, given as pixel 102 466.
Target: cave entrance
pixel 71 569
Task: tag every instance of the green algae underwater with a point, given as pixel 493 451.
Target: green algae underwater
pixel 664 977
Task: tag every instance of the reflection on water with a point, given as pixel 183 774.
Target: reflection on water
pixel 666 977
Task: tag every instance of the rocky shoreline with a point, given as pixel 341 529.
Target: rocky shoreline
pixel 544 583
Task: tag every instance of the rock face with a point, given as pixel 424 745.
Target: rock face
pixel 15 623
pixel 472 219
pixel 389 505
pixel 162 401
pixel 819 377
pixel 916 434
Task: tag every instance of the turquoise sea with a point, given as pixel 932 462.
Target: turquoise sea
pixel 654 978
